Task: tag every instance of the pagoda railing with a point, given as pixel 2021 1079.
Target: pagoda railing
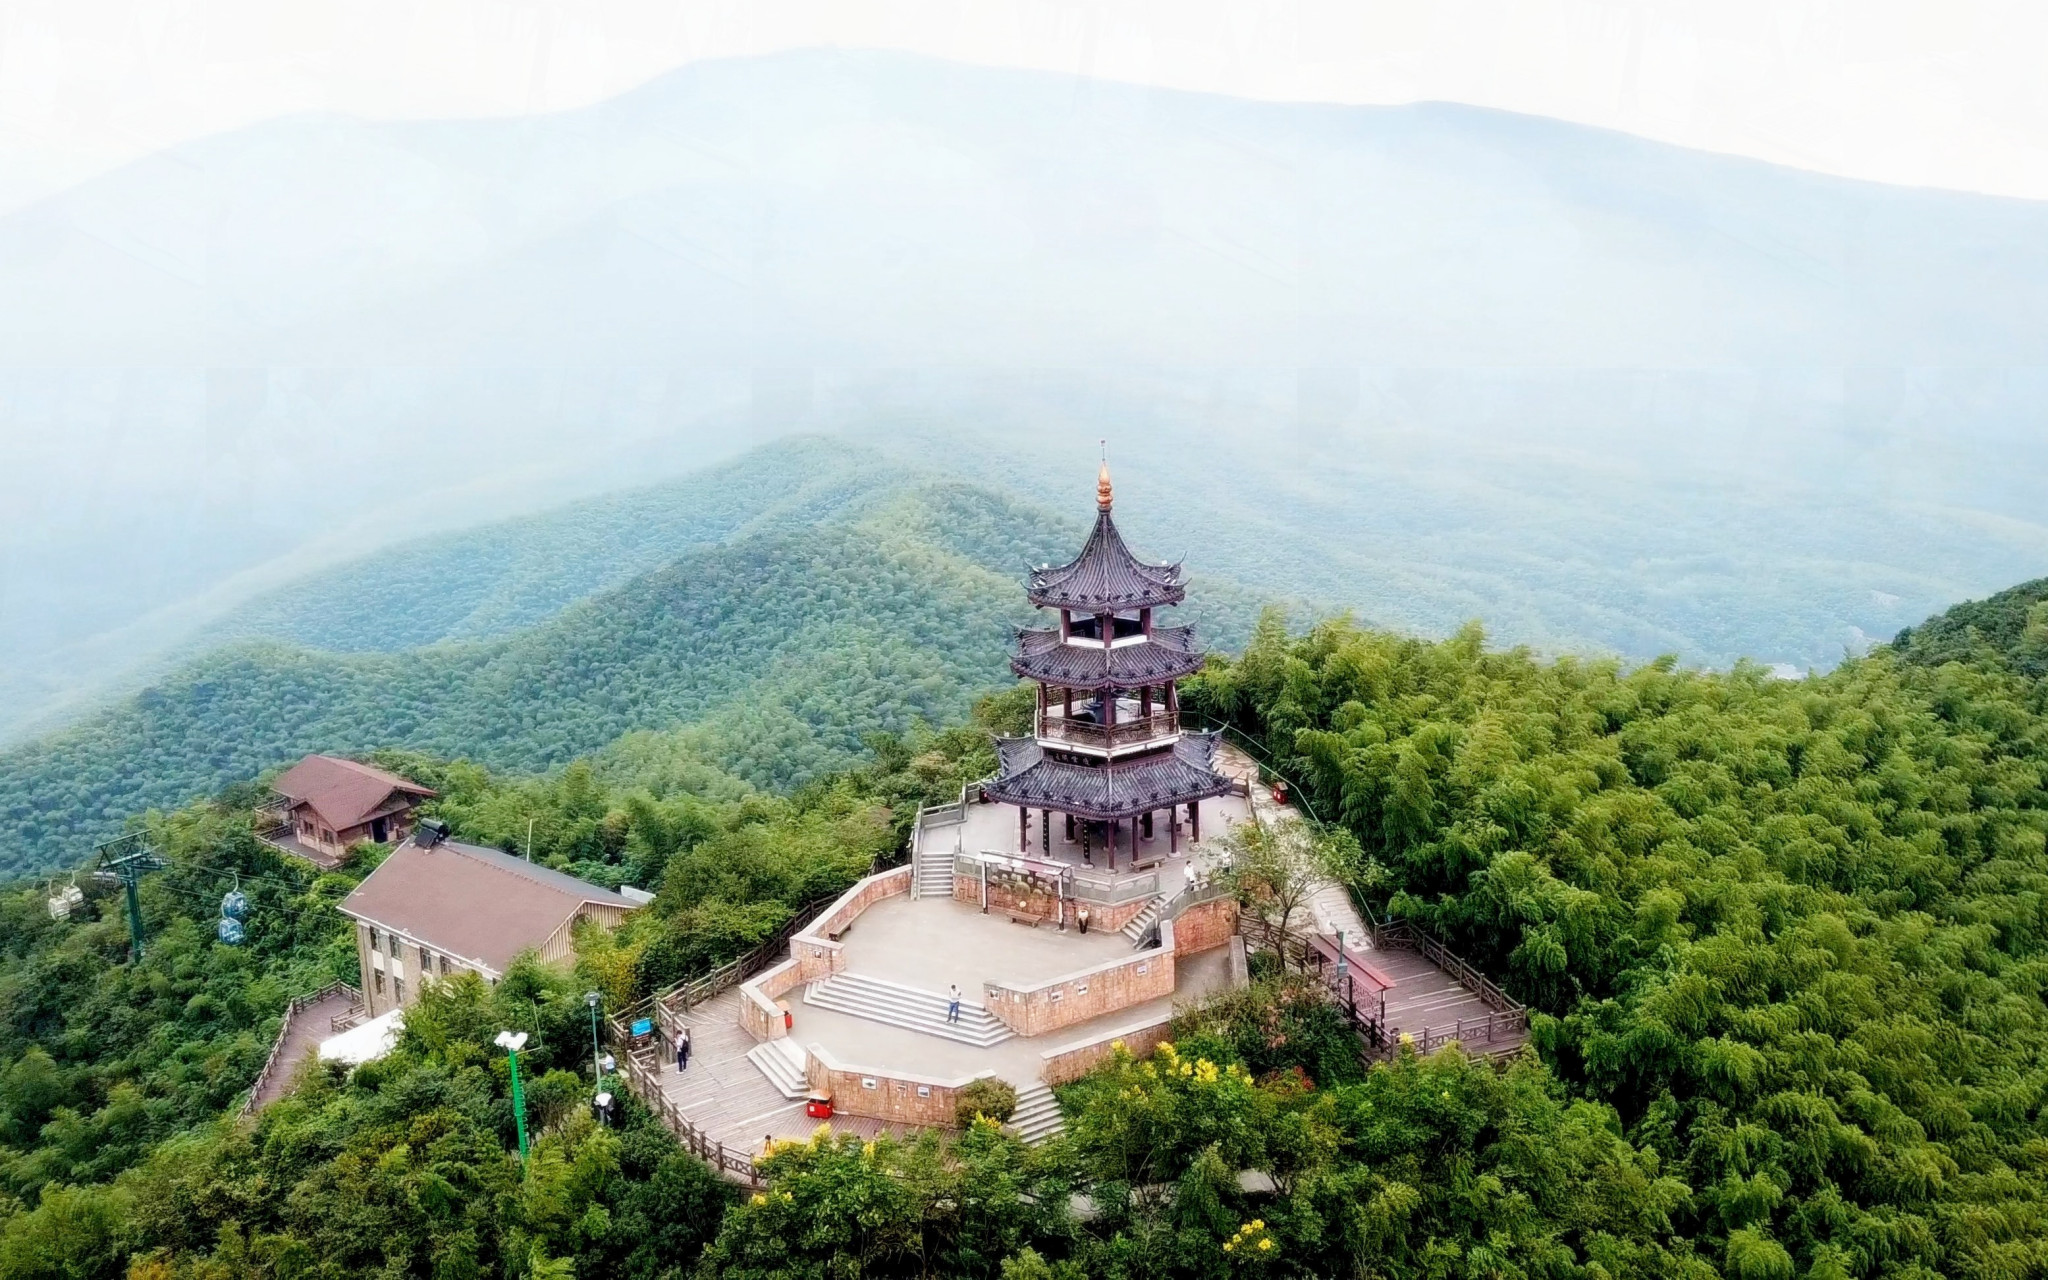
pixel 1125 733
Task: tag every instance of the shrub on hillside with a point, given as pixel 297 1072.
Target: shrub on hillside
pixel 987 1096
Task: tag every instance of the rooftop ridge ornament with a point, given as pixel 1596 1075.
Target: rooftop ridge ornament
pixel 1106 576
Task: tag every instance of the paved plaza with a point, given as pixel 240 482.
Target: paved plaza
pixel 919 942
pixel 930 942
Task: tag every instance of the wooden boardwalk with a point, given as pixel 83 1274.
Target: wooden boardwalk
pixel 305 1026
pixel 1425 1000
pixel 729 1098
pixel 1432 998
pixel 1436 998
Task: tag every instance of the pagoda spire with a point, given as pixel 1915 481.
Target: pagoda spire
pixel 1102 487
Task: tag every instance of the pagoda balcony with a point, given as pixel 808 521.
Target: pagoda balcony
pixel 1077 734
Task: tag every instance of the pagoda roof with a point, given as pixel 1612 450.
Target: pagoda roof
pixel 1115 789
pixel 1105 577
pixel 1168 654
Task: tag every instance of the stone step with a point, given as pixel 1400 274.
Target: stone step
pixel 933 877
pixel 1038 1114
pixel 782 1061
pixel 1140 925
pixel 909 1007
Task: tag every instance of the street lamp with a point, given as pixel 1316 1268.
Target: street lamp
pixel 596 1052
pixel 512 1042
pixel 1343 966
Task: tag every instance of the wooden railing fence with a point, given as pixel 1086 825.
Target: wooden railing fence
pixel 293 1007
pixel 639 1069
pixel 1124 733
pixel 1406 935
pixel 1508 1017
pixel 644 1079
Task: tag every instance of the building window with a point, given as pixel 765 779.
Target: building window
pixel 444 966
pixel 373 940
pixel 426 962
pixel 398 990
pixel 380 982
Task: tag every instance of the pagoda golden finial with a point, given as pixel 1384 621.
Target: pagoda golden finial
pixel 1102 489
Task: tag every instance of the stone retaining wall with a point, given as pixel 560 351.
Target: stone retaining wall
pixel 886 1095
pixel 759 1012
pixel 1071 1062
pixel 813 955
pixel 1205 925
pixel 1090 993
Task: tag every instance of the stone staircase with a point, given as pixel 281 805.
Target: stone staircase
pixel 1037 1116
pixel 909 1007
pixel 782 1061
pixel 1139 926
pixel 933 877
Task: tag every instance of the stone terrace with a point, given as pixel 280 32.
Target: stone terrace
pixel 925 943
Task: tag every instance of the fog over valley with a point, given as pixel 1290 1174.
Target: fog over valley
pixel 1431 363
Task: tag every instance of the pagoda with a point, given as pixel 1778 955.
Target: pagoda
pixel 1106 752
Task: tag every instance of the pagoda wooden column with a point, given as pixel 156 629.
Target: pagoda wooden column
pixel 1045 832
pixel 1173 830
pixel 1147 821
pixel 1023 829
pixel 1195 821
pixel 1070 828
pixel 1041 710
pixel 1145 701
pixel 1087 837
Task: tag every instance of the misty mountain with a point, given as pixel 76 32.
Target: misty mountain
pixel 867 602
pixel 1592 388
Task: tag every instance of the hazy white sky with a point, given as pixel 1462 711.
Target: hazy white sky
pixel 1946 93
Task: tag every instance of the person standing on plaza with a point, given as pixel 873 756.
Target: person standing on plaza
pixel 683 1050
pixel 953 1003
pixel 1082 917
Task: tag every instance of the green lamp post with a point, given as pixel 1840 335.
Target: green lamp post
pixel 512 1042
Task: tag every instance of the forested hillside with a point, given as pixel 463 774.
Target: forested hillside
pixel 1794 932
pixel 1786 943
pixel 768 656
pixel 2008 630
pixel 509 575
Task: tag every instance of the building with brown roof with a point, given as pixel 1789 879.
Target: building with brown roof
pixel 434 908
pixel 327 804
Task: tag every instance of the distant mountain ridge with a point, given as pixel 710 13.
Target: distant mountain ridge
pixel 754 211
pixel 222 353
pixel 510 574
pixel 866 601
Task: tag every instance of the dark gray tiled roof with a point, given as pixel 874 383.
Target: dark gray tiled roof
pixel 1027 776
pixel 1169 654
pixel 1105 577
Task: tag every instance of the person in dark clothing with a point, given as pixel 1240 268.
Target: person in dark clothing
pixel 683 1050
pixel 1082 916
